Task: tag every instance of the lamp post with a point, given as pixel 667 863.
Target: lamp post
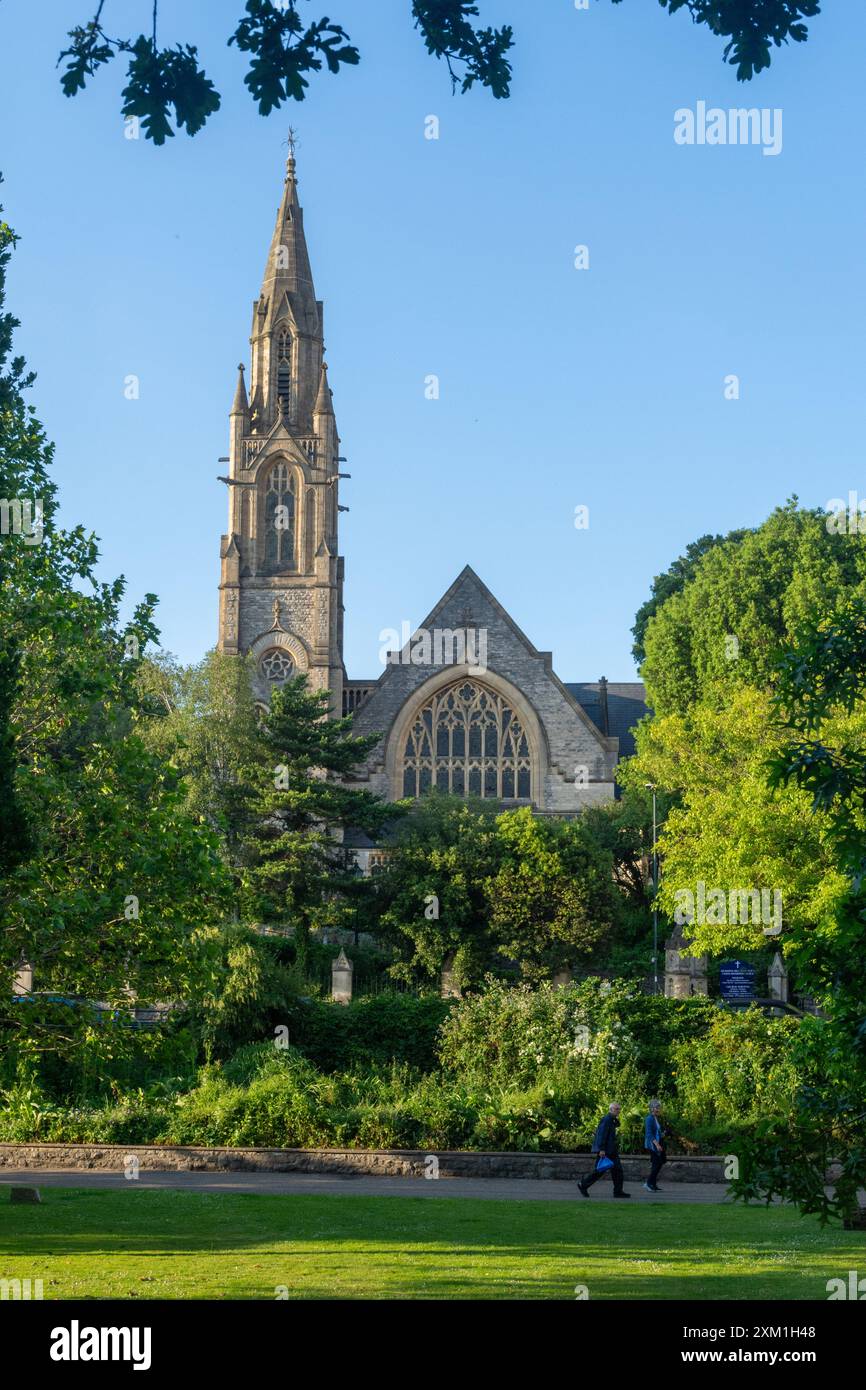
pixel 651 786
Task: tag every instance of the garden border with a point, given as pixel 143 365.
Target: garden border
pixel 404 1163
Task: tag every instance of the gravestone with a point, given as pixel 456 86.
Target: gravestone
pixel 684 975
pixel 777 979
pixel 342 971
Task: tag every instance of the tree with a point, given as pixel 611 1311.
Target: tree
pixel 295 804
pixel 21 449
pixel 109 887
pixel 168 84
pixel 727 829
pixel 673 581
pixel 553 898
pixel 429 902
pixel 823 676
pixel 624 829
pixel 204 722
pixel 490 891
pixel 727 626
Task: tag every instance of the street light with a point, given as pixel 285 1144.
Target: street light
pixel 651 786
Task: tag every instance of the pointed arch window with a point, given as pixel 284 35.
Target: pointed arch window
pixel 284 372
pixel 469 741
pixel 281 495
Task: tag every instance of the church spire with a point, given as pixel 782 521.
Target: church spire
pixel 286 334
pixel 288 265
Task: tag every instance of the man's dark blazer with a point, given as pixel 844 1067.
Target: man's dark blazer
pixel 606 1137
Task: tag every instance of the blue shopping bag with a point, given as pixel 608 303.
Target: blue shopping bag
pixel 603 1165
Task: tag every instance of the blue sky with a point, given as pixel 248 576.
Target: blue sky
pixel 559 387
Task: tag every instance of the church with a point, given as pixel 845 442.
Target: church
pixel 467 704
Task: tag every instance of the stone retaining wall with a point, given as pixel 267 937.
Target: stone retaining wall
pixel 404 1163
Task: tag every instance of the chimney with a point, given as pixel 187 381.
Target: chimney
pixel 602 700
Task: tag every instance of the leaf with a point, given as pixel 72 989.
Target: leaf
pixel 284 51
pixel 167 79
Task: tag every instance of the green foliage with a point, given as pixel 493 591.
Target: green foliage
pixel 284 50
pixel 728 829
pixel 750 26
pixel 109 886
pixel 757 587
pixel 552 899
pixel 21 450
pixel 821 699
pixel 296 806
pixel 370 1032
pixel 740 1071
pixel 448 33
pixel 169 80
pixel 673 581
pixel 517 1069
pixel 767 761
pixel 202 720
pixel 821 674
pixel 508 892
pixel 166 84
pixel 428 900
pixel 515 1033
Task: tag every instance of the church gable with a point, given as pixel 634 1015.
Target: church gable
pixel 471 706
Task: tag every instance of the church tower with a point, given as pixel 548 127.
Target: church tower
pixel 281 583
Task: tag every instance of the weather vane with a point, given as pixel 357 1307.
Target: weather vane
pixel 293 142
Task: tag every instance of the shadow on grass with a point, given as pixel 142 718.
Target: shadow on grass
pixel 187 1244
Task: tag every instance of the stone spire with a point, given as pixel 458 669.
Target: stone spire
pixel 324 405
pixel 288 264
pixel 286 336
pixel 240 405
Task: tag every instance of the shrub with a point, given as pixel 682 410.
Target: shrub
pixel 741 1070
pixel 514 1033
pixel 375 1031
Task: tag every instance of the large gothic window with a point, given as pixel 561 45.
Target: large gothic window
pixel 468 741
pixel 284 372
pixel 280 519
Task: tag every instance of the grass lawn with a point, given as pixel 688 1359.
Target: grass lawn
pixel 158 1244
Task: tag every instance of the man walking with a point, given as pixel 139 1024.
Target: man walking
pixel 606 1145
pixel 654 1143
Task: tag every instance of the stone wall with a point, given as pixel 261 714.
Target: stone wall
pixel 407 1163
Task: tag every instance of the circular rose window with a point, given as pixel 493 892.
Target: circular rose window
pixel 277 666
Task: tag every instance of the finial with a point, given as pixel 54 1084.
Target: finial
pixel 293 142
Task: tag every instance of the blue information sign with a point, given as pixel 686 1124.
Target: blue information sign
pixel 737 979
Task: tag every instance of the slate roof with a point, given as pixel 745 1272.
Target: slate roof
pixel 626 704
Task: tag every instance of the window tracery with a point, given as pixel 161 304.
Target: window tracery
pixel 467 740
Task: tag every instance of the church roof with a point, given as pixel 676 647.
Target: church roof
pixel 626 704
